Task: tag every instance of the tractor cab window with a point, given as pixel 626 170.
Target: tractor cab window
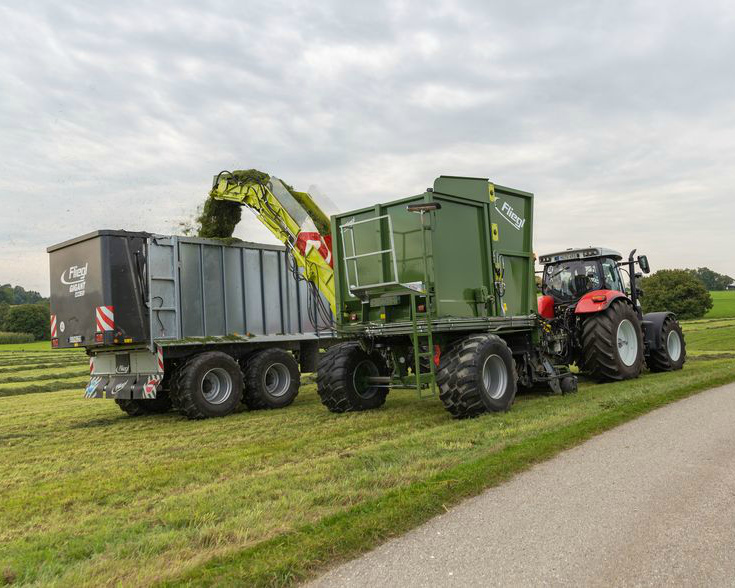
pixel 569 281
pixel 610 272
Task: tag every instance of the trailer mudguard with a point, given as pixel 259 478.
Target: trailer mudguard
pixel 597 301
pixel 653 322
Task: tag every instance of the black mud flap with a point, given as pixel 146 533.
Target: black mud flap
pixel 96 386
pixel 120 387
pixel 146 386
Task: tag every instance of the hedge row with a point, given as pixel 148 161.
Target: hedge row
pixel 16 338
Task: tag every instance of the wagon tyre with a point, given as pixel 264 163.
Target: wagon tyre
pixel 272 379
pixel 138 407
pixel 208 385
pixel 341 379
pixel 477 374
pixel 671 352
pixel 612 343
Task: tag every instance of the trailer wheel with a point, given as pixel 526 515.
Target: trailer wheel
pixel 341 379
pixel 208 385
pixel 138 407
pixel 612 343
pixel 272 379
pixel 477 374
pixel 671 352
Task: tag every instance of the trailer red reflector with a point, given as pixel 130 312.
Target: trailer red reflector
pixel 437 355
pixel 99 337
pixel 54 343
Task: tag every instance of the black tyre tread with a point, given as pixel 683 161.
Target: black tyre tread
pixel 658 360
pixel 182 390
pixel 138 407
pixel 457 374
pixel 252 393
pixel 599 340
pixel 131 407
pixel 331 379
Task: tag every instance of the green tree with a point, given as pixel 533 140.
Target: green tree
pixel 679 291
pixel 28 318
pixel 711 279
pixel 4 309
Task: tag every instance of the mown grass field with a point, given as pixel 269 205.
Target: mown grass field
pixel 92 497
pixel 724 304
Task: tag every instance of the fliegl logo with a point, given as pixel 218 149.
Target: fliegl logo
pixel 507 212
pixel 76 278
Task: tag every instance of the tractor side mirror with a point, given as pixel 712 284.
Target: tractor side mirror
pixel 643 264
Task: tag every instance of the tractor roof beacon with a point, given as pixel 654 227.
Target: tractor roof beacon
pixel 594 319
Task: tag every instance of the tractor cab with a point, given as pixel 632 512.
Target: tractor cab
pixel 570 275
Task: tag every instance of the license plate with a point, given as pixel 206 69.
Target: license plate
pixel 75 339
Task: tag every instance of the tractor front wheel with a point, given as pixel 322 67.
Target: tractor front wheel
pixel 612 343
pixel 671 352
pixel 343 379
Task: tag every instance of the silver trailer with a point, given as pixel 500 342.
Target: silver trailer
pixel 189 323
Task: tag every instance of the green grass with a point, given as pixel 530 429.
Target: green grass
pixel 35 346
pixel 90 496
pixel 724 304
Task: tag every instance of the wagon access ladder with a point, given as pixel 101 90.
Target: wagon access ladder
pixel 421 326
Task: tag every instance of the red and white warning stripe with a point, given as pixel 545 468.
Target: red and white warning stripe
pixel 54 329
pixel 91 364
pixel 105 316
pixel 149 388
pixel 159 357
pixel 307 240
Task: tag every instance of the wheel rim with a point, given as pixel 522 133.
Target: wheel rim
pixel 673 345
pixel 627 342
pixel 217 386
pixel 364 370
pixel 277 380
pixel 494 376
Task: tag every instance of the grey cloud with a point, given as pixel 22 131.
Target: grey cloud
pixel 618 115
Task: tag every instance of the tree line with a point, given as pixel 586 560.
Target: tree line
pixel 23 311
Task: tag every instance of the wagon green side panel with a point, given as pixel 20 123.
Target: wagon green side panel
pixel 460 257
pixel 511 213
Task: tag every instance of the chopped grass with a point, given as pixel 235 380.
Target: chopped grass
pixel 91 496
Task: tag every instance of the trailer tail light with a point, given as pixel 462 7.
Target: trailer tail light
pixel 54 343
pixel 99 337
pixel 599 298
pixel 437 355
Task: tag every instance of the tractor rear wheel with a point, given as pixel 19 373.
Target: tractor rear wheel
pixel 271 379
pixel 612 343
pixel 342 379
pixel 671 352
pixel 476 375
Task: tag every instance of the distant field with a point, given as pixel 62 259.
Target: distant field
pixel 92 497
pixel 724 304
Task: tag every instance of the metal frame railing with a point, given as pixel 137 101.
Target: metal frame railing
pixel 350 226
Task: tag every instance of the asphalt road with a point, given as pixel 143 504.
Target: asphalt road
pixel 651 502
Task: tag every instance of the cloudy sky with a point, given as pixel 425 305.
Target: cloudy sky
pixel 619 116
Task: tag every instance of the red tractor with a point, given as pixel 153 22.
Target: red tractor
pixel 592 319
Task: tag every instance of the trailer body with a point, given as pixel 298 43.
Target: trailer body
pixel 478 257
pixel 141 304
pixel 437 290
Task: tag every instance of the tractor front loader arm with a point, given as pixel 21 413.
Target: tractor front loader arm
pixel 284 212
